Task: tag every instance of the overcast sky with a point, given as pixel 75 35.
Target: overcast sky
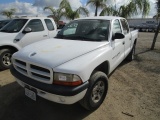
pixel 35 7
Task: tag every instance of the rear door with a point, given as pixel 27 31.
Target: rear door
pixel 128 37
pixel 52 32
pixel 38 32
pixel 117 45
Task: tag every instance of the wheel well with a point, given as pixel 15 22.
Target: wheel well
pixel 9 47
pixel 103 67
pixel 135 42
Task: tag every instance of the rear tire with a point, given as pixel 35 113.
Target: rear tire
pixel 5 58
pixel 96 92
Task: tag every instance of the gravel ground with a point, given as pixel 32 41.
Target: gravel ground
pixel 134 93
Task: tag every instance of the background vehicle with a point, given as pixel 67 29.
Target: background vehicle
pixel 21 32
pixel 3 23
pixel 75 64
pixel 143 24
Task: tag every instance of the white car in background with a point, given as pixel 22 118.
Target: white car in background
pixel 22 32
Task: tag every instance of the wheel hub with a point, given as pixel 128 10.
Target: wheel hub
pixel 98 91
pixel 6 59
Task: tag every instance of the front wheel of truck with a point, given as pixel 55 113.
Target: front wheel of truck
pixel 5 58
pixel 96 93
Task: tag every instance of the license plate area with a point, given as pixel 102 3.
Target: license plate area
pixel 31 93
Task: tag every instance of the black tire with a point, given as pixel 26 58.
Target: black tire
pixel 131 55
pixel 5 58
pixel 96 92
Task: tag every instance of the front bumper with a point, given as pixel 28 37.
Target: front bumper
pixel 55 93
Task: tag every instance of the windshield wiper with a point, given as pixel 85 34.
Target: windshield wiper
pixel 80 37
pixel 76 37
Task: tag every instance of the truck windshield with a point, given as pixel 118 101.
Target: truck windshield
pixel 86 30
pixel 14 26
pixel 3 23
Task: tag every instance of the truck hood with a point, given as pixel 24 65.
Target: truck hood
pixel 4 36
pixel 54 52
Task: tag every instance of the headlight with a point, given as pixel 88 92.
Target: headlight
pixel 66 79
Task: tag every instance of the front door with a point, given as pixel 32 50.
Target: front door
pixel 117 46
pixel 38 33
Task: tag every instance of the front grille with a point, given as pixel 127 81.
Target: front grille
pixel 33 71
pixel 39 68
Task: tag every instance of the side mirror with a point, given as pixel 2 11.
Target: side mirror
pixel 58 31
pixel 118 36
pixel 27 30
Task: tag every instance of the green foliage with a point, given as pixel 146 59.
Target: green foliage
pixel 158 27
pixel 57 13
pixel 66 10
pixel 97 4
pixel 9 13
pixel 72 14
pixel 132 8
pixel 158 10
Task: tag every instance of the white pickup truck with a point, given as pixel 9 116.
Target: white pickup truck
pixel 75 64
pixel 21 32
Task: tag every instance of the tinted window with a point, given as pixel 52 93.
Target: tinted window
pixel 71 29
pixel 3 23
pixel 116 27
pixel 49 24
pixel 125 26
pixel 36 25
pixel 14 26
pixel 87 30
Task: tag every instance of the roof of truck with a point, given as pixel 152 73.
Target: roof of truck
pixel 30 17
pixel 102 18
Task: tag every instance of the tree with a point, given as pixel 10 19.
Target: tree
pixel 57 13
pixel 72 14
pixel 9 13
pixel 132 8
pixel 97 4
pixel 158 27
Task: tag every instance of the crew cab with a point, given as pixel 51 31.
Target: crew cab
pixel 75 64
pixel 21 32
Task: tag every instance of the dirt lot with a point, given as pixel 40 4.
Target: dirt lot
pixel 134 93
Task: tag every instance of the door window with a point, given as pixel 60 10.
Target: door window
pixel 125 26
pixel 36 25
pixel 116 27
pixel 71 29
pixel 49 24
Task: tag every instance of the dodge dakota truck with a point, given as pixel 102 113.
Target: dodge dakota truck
pixel 21 32
pixel 73 66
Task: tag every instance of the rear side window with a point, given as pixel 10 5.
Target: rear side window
pixel 49 24
pixel 116 27
pixel 36 25
pixel 125 26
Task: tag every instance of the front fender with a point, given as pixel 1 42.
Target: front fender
pixel 84 65
pixel 3 45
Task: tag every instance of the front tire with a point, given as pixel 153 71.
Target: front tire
pixel 96 92
pixel 5 58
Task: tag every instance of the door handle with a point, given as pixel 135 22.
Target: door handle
pixel 123 42
pixel 45 35
pixel 16 40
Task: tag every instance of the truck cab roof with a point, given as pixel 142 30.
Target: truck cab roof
pixel 102 18
pixel 29 17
